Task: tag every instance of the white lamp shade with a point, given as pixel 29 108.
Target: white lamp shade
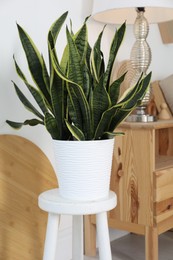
pixel 118 11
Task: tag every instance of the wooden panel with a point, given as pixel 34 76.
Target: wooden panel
pixel 165 225
pixel 165 141
pixel 163 210
pixel 25 172
pixel 163 184
pixel 164 161
pixel 133 179
pixel 159 98
pixel 166 31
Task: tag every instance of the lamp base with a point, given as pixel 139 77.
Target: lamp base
pixel 140 116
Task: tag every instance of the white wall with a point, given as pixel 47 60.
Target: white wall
pixel 36 17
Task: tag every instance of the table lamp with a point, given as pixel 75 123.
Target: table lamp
pixel 139 13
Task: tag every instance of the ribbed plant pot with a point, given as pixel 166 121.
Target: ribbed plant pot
pixel 83 168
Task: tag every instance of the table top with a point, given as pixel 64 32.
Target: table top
pixel 159 124
pixel 51 201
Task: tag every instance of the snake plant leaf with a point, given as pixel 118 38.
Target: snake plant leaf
pixel 143 86
pixel 116 114
pixel 116 43
pixel 74 109
pixel 87 81
pixel 55 29
pixel 131 103
pixel 18 70
pixel 27 103
pixel 31 122
pixel 120 115
pixel 53 34
pixel 82 46
pixel 97 59
pixel 136 93
pixel 73 86
pixel 35 62
pixel 58 93
pixel 35 93
pixel 46 76
pixel 51 126
pixel 85 110
pixel 75 74
pixel 81 43
pixel 103 125
pixel 130 92
pixel 38 97
pixel 74 66
pixel 59 100
pixel 100 102
pixel 110 135
pixel 114 89
pixel 75 131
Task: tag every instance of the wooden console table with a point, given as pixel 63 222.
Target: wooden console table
pixel 142 177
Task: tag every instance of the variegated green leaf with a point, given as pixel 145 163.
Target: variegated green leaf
pixel 110 135
pixel 76 132
pixel 84 106
pixel 130 103
pixel 51 126
pixel 81 43
pixel 34 60
pixel 35 93
pixel 100 102
pixel 74 65
pixel 74 109
pixel 55 29
pixel 104 123
pixel 116 43
pixel 97 58
pixel 59 102
pixel 30 122
pixel 26 102
pixel 120 115
pixel 143 86
pixel 114 89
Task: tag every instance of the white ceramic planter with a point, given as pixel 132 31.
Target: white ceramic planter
pixel 83 168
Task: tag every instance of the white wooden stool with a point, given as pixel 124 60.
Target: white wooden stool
pixel 55 205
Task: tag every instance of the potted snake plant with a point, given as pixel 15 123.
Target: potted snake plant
pixel 78 105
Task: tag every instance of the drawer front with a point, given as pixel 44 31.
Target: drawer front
pixel 163 194
pixel 163 183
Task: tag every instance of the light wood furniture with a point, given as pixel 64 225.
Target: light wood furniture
pixel 25 172
pixel 51 202
pixel 166 31
pixel 142 178
pixel 159 98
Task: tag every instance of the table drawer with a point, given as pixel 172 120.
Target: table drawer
pixel 163 183
pixel 163 194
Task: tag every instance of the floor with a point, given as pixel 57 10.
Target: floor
pixel 131 247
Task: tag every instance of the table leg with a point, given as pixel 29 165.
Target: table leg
pixel 51 237
pixel 90 236
pixel 77 238
pixel 151 243
pixel 103 236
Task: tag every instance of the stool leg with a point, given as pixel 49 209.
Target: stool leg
pixel 51 237
pixel 103 236
pixel 77 238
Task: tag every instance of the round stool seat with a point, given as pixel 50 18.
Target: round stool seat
pixel 51 201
